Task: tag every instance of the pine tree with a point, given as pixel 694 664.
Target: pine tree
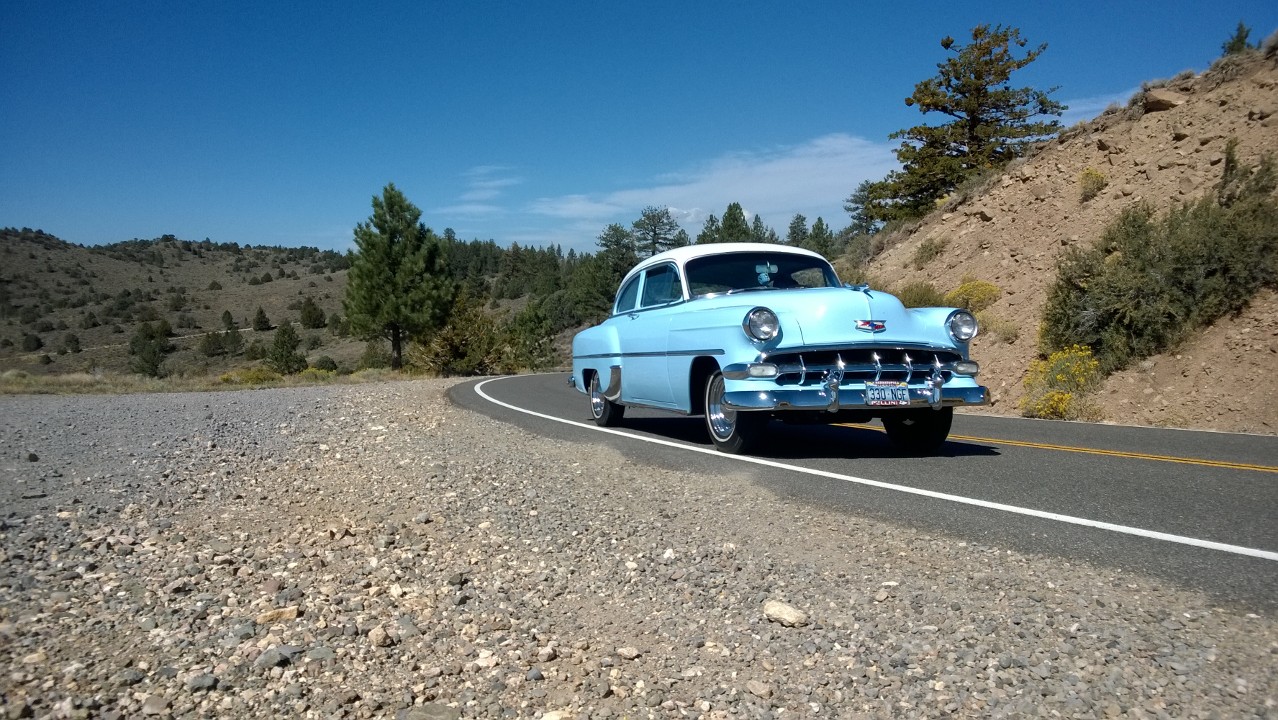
pixel 734 227
pixel 228 320
pixel 992 123
pixel 656 231
pixel 1238 42
pixel 797 234
pixel 761 233
pixel 311 316
pixel 398 286
pixel 709 232
pixel 617 250
pixel 260 321
pixel 821 240
pixel 283 356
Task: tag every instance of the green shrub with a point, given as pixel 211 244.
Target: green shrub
pixel 324 362
pixel 256 350
pixel 927 251
pixel 311 315
pixel 921 294
pixel 376 355
pixel 313 374
pixel 974 295
pixel 31 342
pixel 232 341
pixel 1150 282
pixel 211 345
pixel 468 344
pixel 996 327
pixel 1059 387
pixel 1090 184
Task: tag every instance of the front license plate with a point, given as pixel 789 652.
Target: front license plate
pixel 887 393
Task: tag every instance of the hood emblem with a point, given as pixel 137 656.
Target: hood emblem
pixel 871 326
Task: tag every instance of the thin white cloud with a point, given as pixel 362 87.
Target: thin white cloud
pixel 1083 109
pixel 470 209
pixel 484 184
pixel 577 207
pixel 812 178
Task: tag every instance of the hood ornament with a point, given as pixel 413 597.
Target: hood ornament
pixel 871 326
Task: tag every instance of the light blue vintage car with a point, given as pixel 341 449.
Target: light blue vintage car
pixel 742 333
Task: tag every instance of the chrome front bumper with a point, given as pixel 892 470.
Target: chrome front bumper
pixel 849 399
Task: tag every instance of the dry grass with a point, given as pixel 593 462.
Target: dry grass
pixel 18 382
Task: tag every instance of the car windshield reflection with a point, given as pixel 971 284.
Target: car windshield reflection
pixel 742 272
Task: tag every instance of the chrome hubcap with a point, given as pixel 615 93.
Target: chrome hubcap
pixel 721 420
pixel 596 397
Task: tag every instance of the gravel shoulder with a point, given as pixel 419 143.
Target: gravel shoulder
pixel 373 551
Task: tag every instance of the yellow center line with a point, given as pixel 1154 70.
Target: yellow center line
pixel 1098 451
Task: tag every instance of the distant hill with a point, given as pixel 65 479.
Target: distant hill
pixel 1165 147
pixel 52 290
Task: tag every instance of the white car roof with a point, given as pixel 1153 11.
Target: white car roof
pixel 682 255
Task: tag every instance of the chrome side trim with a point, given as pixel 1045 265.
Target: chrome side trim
pixel 659 353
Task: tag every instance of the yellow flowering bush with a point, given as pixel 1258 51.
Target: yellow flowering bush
pixel 974 295
pixel 1090 183
pixel 1058 388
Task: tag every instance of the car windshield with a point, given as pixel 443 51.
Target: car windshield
pixel 735 272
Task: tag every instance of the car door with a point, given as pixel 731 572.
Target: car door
pixel 644 338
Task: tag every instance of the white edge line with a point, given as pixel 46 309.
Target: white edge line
pixel 1030 512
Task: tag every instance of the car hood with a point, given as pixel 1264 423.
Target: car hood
pixel 830 316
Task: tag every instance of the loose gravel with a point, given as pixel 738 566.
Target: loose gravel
pixel 372 551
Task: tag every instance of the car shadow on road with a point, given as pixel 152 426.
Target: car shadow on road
pixel 793 442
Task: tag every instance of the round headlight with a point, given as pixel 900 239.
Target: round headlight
pixel 761 324
pixel 962 325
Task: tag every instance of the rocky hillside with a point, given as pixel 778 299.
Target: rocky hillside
pixel 1166 147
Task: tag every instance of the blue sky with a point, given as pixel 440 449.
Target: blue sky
pixel 532 122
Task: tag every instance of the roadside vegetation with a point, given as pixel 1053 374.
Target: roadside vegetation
pixel 1152 280
pixel 191 315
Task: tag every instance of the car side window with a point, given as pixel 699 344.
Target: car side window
pixel 661 286
pixel 626 298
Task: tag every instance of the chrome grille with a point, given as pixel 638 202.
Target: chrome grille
pixel 863 364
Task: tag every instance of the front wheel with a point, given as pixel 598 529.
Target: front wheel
pixel 919 431
pixel 605 412
pixel 731 431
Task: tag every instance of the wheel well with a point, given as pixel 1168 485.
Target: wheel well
pixel 702 369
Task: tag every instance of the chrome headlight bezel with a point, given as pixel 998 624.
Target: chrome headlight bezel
pixel 962 326
pixel 761 324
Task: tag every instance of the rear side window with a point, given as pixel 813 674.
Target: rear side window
pixel 626 298
pixel 661 286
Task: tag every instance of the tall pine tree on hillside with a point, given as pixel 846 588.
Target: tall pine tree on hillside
pixel 397 286
pixel 990 123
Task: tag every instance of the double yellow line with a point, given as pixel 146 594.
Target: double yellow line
pixel 1096 451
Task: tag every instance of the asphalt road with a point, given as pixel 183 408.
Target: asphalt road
pixel 1194 508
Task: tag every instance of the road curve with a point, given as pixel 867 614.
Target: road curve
pixel 1195 508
